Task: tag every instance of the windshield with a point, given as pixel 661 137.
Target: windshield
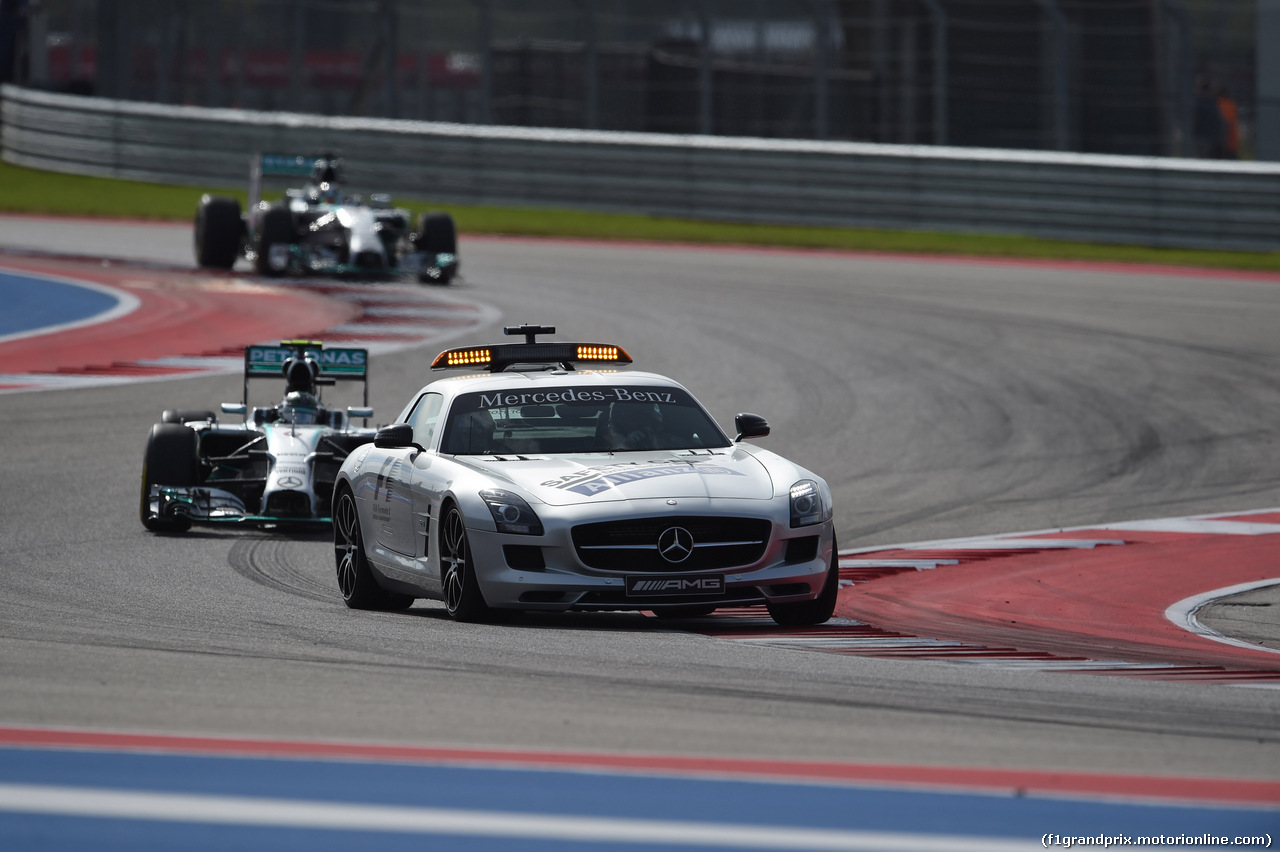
pixel 579 420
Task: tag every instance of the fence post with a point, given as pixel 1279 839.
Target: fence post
pixel 939 71
pixel 390 59
pixel 822 68
pixel 1058 77
pixel 591 71
pixel 705 77
pixel 486 61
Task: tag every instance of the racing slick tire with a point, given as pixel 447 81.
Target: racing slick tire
pixel 276 229
pixel 437 233
pixel 171 458
pixel 184 415
pixel 359 588
pixel 218 232
pixel 462 596
pixel 816 611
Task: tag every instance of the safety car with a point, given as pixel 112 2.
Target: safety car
pixel 275 467
pixel 548 476
pixel 320 229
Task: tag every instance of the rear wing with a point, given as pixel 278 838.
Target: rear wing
pixel 336 365
pixel 276 165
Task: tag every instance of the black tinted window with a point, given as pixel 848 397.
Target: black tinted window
pixel 578 420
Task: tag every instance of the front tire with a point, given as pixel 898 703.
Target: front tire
pixel 359 588
pixel 437 233
pixel 218 233
pixel 462 596
pixel 816 611
pixel 171 458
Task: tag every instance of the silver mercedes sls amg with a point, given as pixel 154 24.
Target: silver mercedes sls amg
pixel 533 482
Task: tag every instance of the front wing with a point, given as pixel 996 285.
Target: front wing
pixel 203 505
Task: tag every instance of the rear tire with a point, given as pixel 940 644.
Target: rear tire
pixel 171 458
pixel 218 233
pixel 276 229
pixel 816 611
pixel 359 588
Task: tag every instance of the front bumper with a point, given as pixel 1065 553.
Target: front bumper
pixel 546 573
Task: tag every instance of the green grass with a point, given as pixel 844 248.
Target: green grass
pixel 29 191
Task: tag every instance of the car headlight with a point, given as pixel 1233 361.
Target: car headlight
pixel 808 504
pixel 511 513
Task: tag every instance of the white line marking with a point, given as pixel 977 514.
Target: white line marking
pixel 1183 614
pixel 1199 526
pixel 918 564
pixel 293 813
pixel 1031 535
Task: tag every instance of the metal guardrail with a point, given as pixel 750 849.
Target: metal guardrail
pixel 1107 199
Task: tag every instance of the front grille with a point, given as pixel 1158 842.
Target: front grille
pixel 288 504
pixel 632 545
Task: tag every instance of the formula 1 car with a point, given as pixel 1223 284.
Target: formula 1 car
pixel 278 466
pixel 317 229
pixel 535 485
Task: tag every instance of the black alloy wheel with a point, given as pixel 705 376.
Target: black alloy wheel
pixel 355 579
pixel 462 596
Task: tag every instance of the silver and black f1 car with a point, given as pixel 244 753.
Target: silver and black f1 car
pixel 276 467
pixel 316 229
pixel 531 484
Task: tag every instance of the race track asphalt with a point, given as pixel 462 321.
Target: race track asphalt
pixel 940 397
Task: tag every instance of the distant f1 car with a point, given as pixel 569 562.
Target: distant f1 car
pixel 316 229
pixel 278 466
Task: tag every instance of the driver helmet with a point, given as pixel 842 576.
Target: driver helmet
pixel 326 169
pixel 635 423
pixel 329 193
pixel 300 407
pixel 636 416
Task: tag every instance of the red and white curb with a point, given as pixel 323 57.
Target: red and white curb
pixel 863 568
pixel 385 317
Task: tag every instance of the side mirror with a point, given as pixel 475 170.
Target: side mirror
pixel 233 408
pixel 354 411
pixel 750 426
pixel 397 436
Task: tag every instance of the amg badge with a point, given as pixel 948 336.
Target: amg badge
pixel 680 585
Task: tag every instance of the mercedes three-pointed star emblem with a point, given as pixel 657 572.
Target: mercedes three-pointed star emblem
pixel 675 544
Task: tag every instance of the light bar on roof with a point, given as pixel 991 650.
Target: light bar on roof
pixel 498 357
pixel 465 357
pixel 595 352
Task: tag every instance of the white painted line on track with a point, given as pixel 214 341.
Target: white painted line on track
pixel 293 813
pixel 918 564
pixel 53 381
pixel 1183 613
pixel 1200 526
